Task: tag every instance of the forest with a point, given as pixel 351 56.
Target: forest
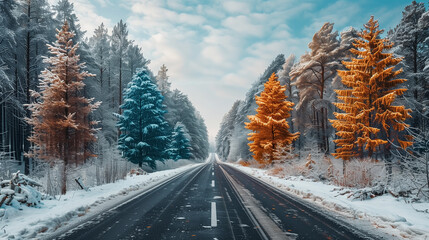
pixel 353 110
pixel 74 103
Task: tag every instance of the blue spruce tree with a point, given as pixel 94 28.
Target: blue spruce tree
pixel 144 135
pixel 180 144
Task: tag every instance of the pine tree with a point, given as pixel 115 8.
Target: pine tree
pixel 162 80
pixel 35 20
pixel 180 109
pixel 410 37
pixel 135 58
pixel 100 46
pixel 224 135
pixel 370 122
pixel 9 105
pixel 120 44
pixel 100 89
pixel 181 148
pixel 144 132
pixel 269 125
pixel 239 142
pixel 65 12
pixel 313 76
pixel 60 114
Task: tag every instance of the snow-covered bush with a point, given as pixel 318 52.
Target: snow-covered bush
pixel 19 190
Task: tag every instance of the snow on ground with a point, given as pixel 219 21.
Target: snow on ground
pixel 392 215
pixel 76 205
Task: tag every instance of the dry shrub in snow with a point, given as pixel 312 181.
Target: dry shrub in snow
pixel 277 171
pixel 361 174
pixel 243 163
pixel 250 163
pixel 137 172
pixel 108 167
pixel 310 162
pixel 317 166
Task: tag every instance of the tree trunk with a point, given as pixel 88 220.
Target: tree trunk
pixel 344 169
pixel 120 85
pixel 27 126
pixel 427 168
pixel 64 179
pixel 388 160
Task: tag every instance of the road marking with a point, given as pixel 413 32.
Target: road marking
pixel 212 173
pixel 213 183
pixel 214 217
pixel 227 194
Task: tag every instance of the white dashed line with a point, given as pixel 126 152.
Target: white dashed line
pixel 214 217
pixel 227 194
pixel 213 183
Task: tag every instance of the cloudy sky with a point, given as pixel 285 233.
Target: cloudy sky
pixel 215 49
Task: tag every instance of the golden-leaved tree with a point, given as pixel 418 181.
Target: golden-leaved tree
pixel 370 122
pixel 62 130
pixel 269 125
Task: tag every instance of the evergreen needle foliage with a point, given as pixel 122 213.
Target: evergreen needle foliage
pixel 269 125
pixel 144 131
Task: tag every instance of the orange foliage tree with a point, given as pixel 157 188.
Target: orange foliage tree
pixel 370 121
pixel 62 130
pixel 269 125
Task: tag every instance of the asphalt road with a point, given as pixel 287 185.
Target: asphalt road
pixel 294 216
pixel 213 202
pixel 198 204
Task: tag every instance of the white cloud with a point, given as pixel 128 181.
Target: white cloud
pixel 236 7
pixel 245 25
pixel 86 12
pixel 88 18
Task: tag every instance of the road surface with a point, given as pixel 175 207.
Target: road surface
pixel 213 201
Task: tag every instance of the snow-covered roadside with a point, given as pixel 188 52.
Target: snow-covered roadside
pixel 76 205
pixel 389 214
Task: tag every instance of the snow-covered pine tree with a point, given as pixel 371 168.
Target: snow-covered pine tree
pixel 224 135
pixel 312 76
pixel 144 135
pixel 239 142
pixel 9 105
pixel 60 115
pixel 36 24
pixel 100 50
pixel 180 144
pixel 409 37
pixel 65 12
pixel 180 109
pixel 162 80
pixel 135 58
pixel 269 126
pixel 120 44
pixel 370 121
pixel 292 93
pixel 411 42
pixel 100 46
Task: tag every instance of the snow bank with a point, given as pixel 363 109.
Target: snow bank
pixel 52 214
pixel 392 215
